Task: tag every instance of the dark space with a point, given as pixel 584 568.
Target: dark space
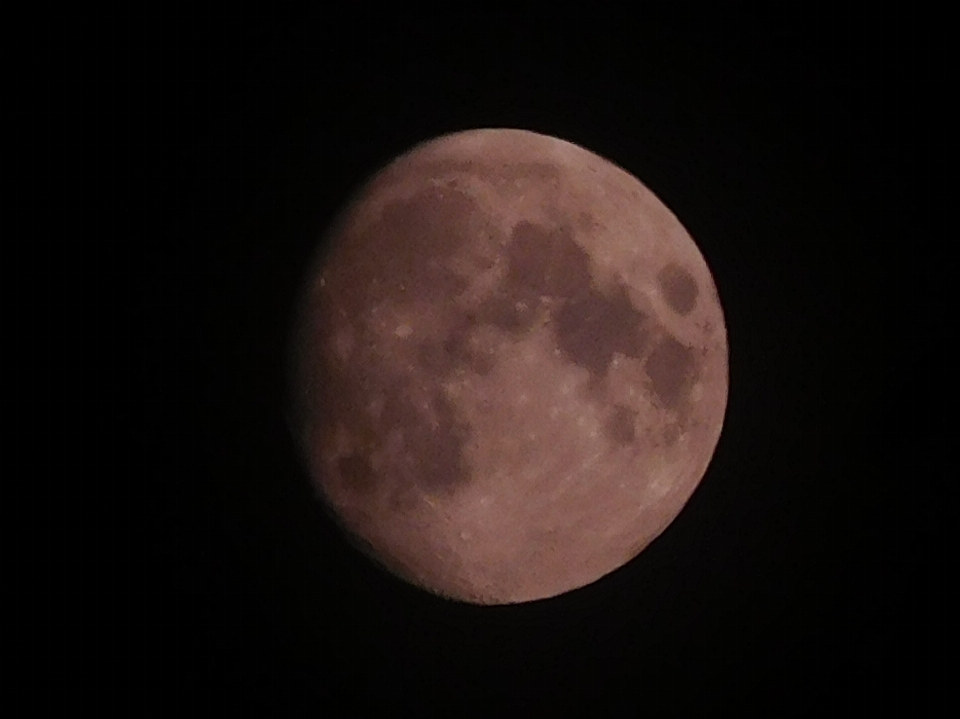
pixel 241 130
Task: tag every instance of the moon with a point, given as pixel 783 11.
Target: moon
pixel 510 367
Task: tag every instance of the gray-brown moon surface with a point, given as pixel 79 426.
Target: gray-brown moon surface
pixel 511 367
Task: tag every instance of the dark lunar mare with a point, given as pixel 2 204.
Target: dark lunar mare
pixel 399 260
pixel 679 288
pixel 590 326
pixel 672 369
pixel 619 427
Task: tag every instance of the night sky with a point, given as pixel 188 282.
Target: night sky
pixel 241 130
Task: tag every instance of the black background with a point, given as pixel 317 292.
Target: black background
pixel 236 132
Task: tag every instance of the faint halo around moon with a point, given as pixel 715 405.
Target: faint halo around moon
pixel 510 367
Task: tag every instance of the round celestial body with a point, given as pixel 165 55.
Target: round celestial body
pixel 510 368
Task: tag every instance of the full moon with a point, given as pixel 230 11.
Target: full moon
pixel 510 367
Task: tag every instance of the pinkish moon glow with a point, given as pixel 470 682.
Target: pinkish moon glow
pixel 511 367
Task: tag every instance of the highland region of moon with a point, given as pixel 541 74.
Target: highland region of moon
pixel 510 367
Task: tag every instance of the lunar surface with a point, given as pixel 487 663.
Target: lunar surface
pixel 510 367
